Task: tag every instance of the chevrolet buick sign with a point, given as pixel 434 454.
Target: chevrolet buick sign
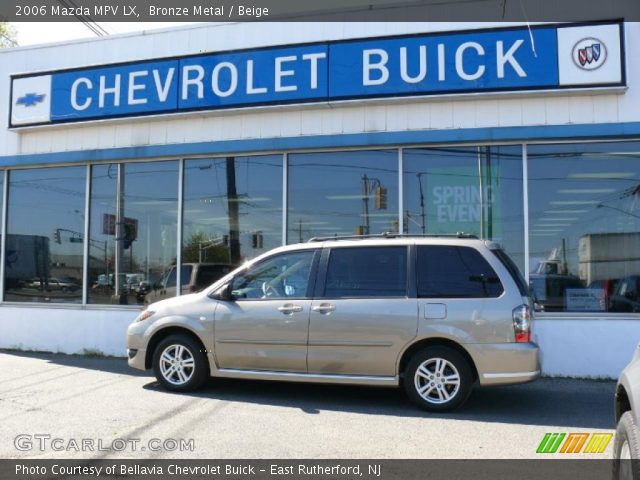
pixel 547 57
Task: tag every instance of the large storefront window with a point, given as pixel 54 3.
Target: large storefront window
pixel 232 213
pixel 148 230
pixel 342 193
pixel 44 245
pixel 475 190
pixel 102 238
pixel 584 226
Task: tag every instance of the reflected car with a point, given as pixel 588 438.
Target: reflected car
pixel 627 295
pixel 608 288
pixel 55 284
pixel 626 446
pixel 194 277
pixel 549 290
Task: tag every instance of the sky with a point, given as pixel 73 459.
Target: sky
pixel 33 33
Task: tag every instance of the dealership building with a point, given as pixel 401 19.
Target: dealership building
pixel 130 158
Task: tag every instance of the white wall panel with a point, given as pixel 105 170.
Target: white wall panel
pixel 418 115
pixel 397 120
pixel 581 109
pixel 440 115
pixel 509 112
pixel 375 119
pixel 352 119
pixel 65 330
pixel 311 122
pixel 464 114
pixel 585 348
pixel 557 110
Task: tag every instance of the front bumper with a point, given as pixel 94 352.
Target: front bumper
pixel 137 358
pixel 136 346
pixel 505 363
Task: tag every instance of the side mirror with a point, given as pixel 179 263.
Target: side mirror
pixel 224 293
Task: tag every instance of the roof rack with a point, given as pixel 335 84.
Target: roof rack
pixel 393 235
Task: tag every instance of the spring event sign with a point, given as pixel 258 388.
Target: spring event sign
pixel 458 202
pixel 545 57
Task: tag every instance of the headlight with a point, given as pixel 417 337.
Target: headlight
pixel 144 315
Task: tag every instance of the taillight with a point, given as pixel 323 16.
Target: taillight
pixel 522 323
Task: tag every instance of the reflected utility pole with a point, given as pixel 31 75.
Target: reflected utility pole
pixel 234 217
pixel 365 204
pixel 422 214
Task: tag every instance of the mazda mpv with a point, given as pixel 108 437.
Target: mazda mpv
pixel 436 315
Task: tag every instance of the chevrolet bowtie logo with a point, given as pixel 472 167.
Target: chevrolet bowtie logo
pixel 30 99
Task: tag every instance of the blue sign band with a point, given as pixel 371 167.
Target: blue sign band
pixel 509 59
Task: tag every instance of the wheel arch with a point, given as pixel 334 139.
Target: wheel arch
pixel 622 403
pixel 405 357
pixel 163 333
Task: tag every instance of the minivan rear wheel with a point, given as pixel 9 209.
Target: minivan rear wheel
pixel 180 364
pixel 438 379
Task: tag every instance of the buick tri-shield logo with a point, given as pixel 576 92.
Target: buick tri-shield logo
pixel 589 54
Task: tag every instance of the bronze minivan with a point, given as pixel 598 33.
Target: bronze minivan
pixel 437 315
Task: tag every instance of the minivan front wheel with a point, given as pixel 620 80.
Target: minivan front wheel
pixel 438 379
pixel 179 363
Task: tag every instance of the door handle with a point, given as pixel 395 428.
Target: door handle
pixel 289 309
pixel 324 308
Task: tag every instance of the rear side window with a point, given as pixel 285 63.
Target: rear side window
pixel 185 276
pixel 455 272
pixel 367 272
pixel 208 274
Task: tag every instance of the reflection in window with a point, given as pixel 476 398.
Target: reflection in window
pixel 584 226
pixel 146 233
pixel 283 276
pixel 102 244
pixel 476 190
pixel 44 246
pixel 342 193
pixel 232 213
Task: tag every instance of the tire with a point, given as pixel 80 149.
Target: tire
pixel 424 371
pixel 626 449
pixel 185 378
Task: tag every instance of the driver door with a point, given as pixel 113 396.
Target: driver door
pixel 266 324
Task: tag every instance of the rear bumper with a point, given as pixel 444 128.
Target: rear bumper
pixel 505 363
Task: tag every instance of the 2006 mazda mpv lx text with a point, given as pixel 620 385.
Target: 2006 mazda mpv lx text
pixel 435 314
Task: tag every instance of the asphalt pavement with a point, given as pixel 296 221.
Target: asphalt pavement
pixel 61 406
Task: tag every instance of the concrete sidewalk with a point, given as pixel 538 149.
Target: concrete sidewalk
pixel 81 400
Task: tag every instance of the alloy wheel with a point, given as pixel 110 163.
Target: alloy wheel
pixel 177 364
pixel 437 381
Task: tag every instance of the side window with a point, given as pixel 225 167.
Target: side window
pixel 280 277
pixel 455 272
pixel 185 276
pixel 367 272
